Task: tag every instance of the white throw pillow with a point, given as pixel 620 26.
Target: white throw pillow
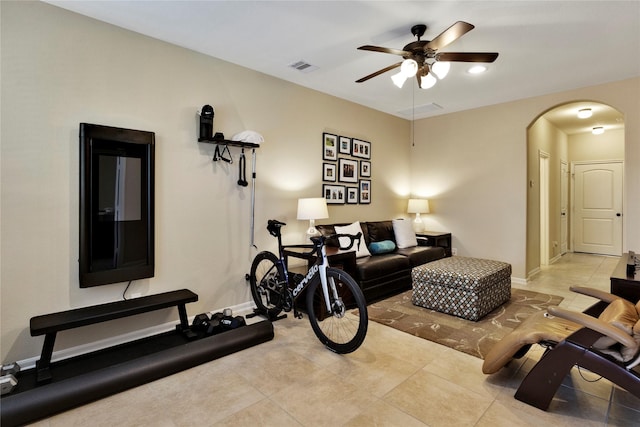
pixel 344 241
pixel 405 236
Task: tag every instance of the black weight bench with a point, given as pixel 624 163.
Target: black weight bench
pixel 50 324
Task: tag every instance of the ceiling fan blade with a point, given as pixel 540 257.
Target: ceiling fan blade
pixel 385 50
pixel 449 35
pixel 377 73
pixel 467 56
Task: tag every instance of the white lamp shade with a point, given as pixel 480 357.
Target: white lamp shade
pixel 418 206
pixel 313 208
pixel 441 69
pixel 398 79
pixel 427 81
pixel 409 68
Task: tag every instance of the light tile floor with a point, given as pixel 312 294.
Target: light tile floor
pixel 394 379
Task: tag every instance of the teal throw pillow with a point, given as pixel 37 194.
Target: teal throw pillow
pixel 382 247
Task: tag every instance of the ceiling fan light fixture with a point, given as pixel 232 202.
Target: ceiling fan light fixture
pixel 399 79
pixel 423 56
pixel 584 113
pixel 441 69
pixel 409 68
pixel 477 69
pixel 598 130
pixel 427 81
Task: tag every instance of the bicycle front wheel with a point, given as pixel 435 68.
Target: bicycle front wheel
pixel 268 286
pixel 342 328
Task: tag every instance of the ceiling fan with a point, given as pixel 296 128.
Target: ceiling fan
pixel 422 59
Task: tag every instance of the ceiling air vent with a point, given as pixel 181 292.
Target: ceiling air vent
pixel 303 66
pixel 420 109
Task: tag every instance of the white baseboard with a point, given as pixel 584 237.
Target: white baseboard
pixel 555 258
pixel 533 273
pixel 518 280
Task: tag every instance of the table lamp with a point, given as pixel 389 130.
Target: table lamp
pixel 312 209
pixel 418 206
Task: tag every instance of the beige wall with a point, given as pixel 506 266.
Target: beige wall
pixel 586 146
pixel 473 166
pixel 60 69
pixel 544 136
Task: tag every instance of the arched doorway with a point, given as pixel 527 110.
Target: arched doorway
pixel 567 141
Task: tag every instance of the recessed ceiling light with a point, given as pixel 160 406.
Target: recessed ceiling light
pixel 598 130
pixel 585 113
pixel 477 69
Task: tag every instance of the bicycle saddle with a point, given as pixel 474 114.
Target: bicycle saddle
pixel 273 225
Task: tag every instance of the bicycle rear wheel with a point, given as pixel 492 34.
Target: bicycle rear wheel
pixel 342 329
pixel 267 284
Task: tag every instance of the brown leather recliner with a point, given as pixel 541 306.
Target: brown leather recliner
pixel 608 345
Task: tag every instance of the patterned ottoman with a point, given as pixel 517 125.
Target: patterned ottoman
pixel 464 287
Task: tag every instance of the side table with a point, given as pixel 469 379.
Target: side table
pixel 624 285
pixel 436 238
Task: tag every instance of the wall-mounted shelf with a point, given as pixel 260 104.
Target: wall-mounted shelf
pixel 206 129
pixel 229 142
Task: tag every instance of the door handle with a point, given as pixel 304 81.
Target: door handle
pixel 618 214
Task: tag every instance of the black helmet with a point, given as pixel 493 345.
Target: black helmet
pixel 207 110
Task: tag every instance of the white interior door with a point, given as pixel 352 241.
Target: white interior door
pixel 598 208
pixel 564 206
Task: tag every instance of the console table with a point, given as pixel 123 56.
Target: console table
pixel 624 285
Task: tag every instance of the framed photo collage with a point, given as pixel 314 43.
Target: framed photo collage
pixel 346 170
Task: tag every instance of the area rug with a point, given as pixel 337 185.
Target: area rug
pixel 474 338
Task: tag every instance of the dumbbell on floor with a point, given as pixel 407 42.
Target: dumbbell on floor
pixel 8 380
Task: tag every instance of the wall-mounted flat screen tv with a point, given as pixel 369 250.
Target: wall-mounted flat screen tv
pixel 116 204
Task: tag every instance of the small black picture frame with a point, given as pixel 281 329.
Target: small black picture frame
pixel 361 149
pixel 365 191
pixel 329 172
pixel 345 145
pixel 334 194
pixel 365 169
pixel 329 146
pixel 348 170
pixel 352 195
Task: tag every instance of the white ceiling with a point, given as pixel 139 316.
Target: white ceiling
pixel 544 46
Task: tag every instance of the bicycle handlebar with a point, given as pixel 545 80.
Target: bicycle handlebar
pixel 352 239
pixel 319 241
pixel 273 226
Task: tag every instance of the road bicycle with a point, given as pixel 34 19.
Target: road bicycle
pixel 330 293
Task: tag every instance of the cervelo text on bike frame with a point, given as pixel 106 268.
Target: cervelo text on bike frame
pixel 312 271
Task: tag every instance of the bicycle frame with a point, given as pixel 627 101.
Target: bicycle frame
pixel 319 267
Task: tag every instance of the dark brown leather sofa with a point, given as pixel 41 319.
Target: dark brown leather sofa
pixel 383 275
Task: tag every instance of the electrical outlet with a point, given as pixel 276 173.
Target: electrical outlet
pixel 454 251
